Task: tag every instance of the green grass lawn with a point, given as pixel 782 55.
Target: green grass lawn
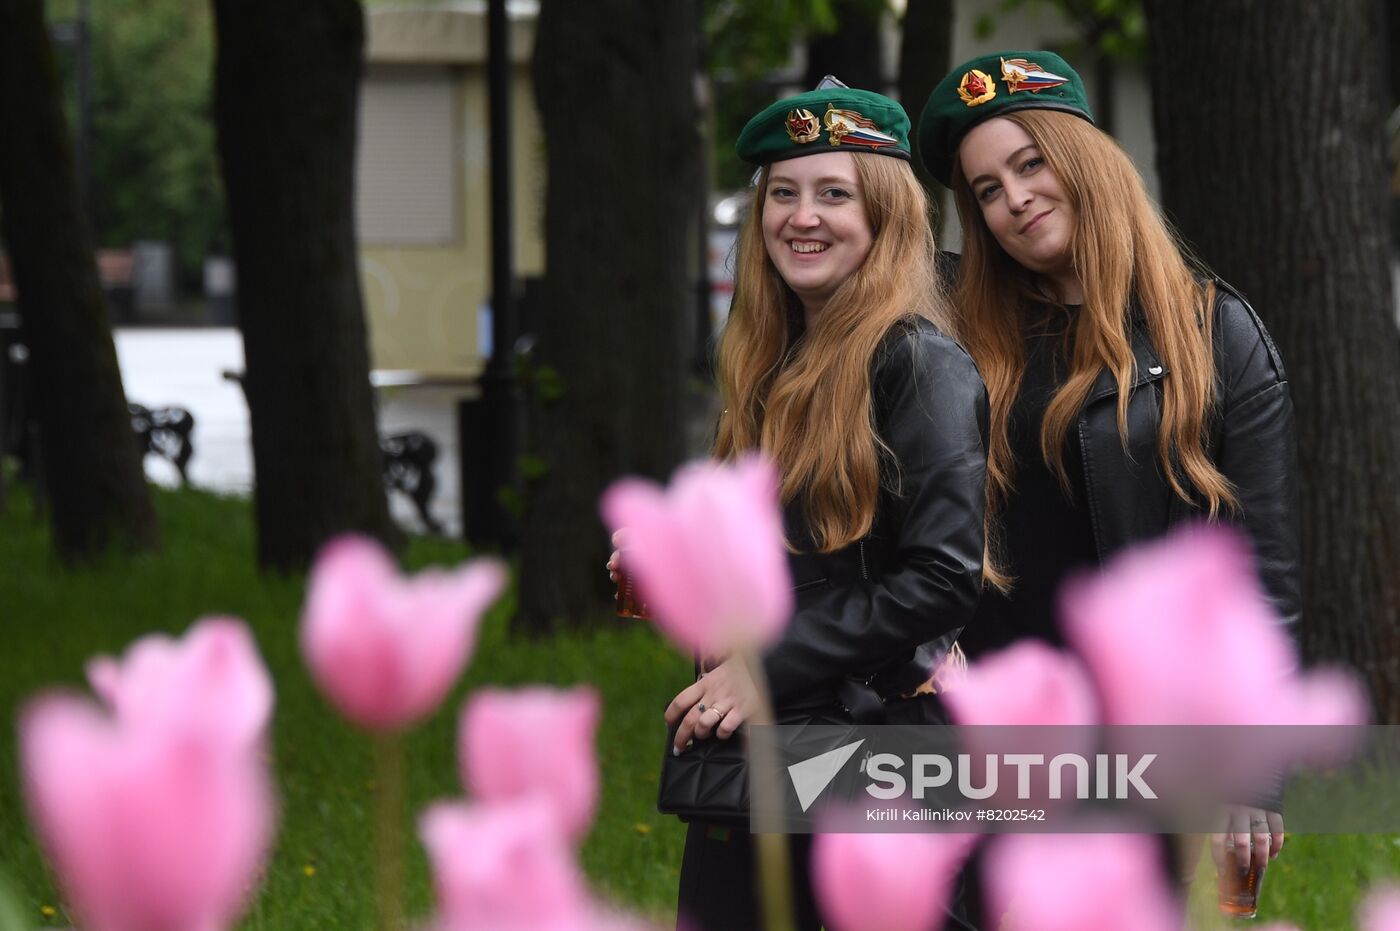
pixel 320 875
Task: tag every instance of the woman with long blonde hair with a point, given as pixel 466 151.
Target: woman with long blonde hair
pixel 1129 391
pixel 837 365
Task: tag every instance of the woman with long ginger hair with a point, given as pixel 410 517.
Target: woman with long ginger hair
pixel 835 364
pixel 1129 391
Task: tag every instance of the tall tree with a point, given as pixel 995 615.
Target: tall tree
pixel 925 50
pixel 851 49
pixel 614 80
pixel 90 466
pixel 1280 183
pixel 746 42
pixel 286 88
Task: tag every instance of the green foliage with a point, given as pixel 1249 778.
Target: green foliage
pixel 543 382
pixel 154 162
pixel 746 40
pixel 320 873
pixel 533 468
pixel 1115 28
pixel 11 915
pixel 752 37
pixel 155 167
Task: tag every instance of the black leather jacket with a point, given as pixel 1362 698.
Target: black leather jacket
pixel 862 611
pixel 1251 441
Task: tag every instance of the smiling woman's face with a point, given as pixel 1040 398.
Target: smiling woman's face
pixel 815 226
pixel 1022 201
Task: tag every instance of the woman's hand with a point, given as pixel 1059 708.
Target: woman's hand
pixel 1250 834
pixel 718 702
pixel 615 560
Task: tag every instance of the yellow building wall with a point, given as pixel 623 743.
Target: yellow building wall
pixel 423 302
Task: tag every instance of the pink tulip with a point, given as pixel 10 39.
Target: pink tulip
pixel 212 678
pixel 384 649
pixel 1179 632
pixel 506 866
pixel 149 826
pixel 708 553
pixel 1078 882
pixel 1381 910
pixel 512 744
pixel 1028 683
pixel 886 882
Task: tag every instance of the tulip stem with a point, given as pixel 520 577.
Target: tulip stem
pixel 774 870
pixel 388 831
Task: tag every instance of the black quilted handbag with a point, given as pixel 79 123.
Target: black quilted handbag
pixel 709 781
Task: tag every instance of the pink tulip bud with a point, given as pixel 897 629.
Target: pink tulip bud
pixel 1381 910
pixel 1180 632
pixel 1078 882
pixel 210 678
pixel 384 649
pixel 504 866
pixel 535 740
pixel 886 882
pixel 1028 683
pixel 156 818
pixel 709 552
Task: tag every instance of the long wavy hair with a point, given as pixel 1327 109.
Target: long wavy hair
pixel 1129 262
pixel 803 397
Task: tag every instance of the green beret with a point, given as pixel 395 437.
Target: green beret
pixel 837 118
pixel 992 85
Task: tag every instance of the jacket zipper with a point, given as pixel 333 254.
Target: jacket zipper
pixel 864 574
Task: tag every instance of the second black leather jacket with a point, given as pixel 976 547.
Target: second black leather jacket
pixel 917 575
pixel 1251 441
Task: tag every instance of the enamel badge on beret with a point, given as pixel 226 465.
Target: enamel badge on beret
pixel 976 88
pixel 1020 74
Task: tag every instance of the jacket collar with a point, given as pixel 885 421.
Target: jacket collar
pixel 1147 367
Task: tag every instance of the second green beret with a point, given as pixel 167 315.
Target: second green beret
pixel 833 119
pixel 988 86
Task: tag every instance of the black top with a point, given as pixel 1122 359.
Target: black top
pixel 1047 534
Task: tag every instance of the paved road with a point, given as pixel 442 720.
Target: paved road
pixel 184 367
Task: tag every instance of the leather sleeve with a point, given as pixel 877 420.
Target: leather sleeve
pixel 931 411
pixel 1256 447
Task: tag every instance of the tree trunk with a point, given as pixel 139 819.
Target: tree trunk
pixel 851 52
pixel 925 50
pixel 91 467
pixel 286 88
pixel 1280 183
pixel 614 81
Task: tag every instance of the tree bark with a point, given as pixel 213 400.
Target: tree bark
pixel 1269 148
pixel 91 468
pixel 614 81
pixel 286 89
pixel 925 50
pixel 850 52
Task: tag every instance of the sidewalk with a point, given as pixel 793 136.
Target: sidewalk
pixel 184 368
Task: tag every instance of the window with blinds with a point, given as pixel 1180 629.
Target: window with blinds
pixel 406 189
